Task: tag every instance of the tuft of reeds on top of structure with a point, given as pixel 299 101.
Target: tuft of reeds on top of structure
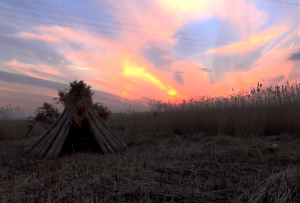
pixel 263 111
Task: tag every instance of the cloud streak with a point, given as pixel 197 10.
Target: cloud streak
pixel 249 44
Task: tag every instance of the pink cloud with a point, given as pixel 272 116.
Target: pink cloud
pixel 41 71
pixel 44 37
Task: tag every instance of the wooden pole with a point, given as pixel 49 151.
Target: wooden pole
pixel 121 142
pixel 105 134
pixel 36 142
pixel 59 140
pixel 105 148
pixel 41 149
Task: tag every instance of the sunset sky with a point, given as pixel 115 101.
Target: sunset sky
pixel 135 51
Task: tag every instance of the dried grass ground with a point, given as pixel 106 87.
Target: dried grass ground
pixel 159 167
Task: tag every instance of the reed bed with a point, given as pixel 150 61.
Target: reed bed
pixel 11 113
pixel 263 111
pixel 13 124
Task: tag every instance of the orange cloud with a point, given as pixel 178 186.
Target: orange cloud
pixel 262 71
pixel 138 73
pixel 186 6
pixel 41 71
pixel 196 81
pixel 19 64
pixel 27 89
pixel 275 52
pixel 249 44
pixel 22 68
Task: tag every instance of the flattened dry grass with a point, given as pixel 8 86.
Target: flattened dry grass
pixel 184 168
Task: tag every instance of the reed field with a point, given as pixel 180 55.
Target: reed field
pixel 13 124
pixel 239 148
pixel 268 111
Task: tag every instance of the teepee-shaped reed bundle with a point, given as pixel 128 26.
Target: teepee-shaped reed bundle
pixel 78 111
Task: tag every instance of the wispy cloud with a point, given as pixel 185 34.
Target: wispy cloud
pixel 251 43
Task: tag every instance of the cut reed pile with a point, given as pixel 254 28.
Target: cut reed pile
pixel 187 168
pixel 269 111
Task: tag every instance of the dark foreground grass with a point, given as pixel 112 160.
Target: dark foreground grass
pixel 159 167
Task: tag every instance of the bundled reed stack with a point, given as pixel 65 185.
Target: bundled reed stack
pixel 78 111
